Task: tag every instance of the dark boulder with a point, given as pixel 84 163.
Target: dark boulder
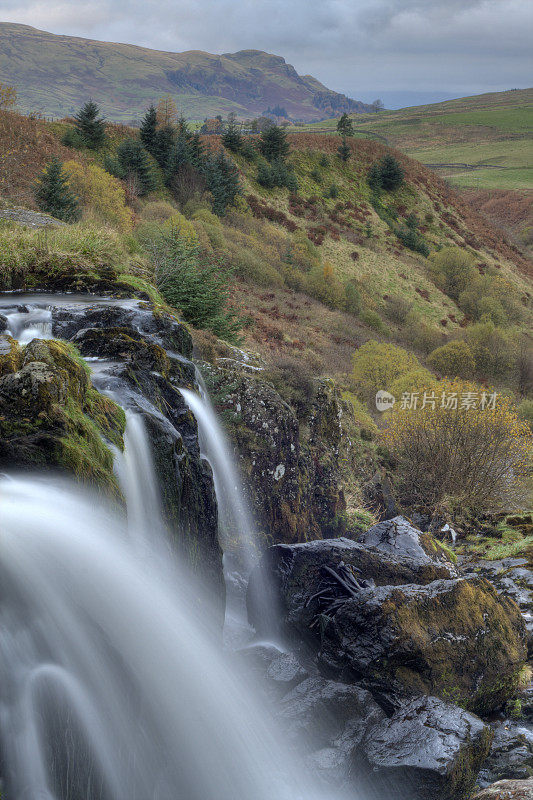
pixel 296 571
pixel 332 720
pixel 428 749
pixel 456 639
pixel 511 754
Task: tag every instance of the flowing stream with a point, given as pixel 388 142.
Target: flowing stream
pixel 115 684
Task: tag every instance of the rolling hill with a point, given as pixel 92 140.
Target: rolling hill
pixel 53 75
pixel 484 141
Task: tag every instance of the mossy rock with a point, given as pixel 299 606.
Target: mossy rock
pixel 455 639
pixel 51 418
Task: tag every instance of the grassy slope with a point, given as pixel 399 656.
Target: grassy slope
pixel 55 74
pixel 491 133
pixel 285 321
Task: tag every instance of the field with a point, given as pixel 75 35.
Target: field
pixel 482 141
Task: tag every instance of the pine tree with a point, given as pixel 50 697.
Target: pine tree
pixel 345 125
pixel 392 174
pixel 273 144
pixel 232 139
pixel 343 150
pixel 148 130
pixel 196 150
pixel 53 195
pixel 222 178
pixel 374 177
pixel 134 162
pixel 90 125
pixel 164 142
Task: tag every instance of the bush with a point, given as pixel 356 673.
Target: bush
pixel 461 458
pixel 525 412
pixel 275 175
pixel 376 365
pixel 397 309
pixel 455 360
pixel 416 380
pixel 422 336
pixel 352 298
pixel 332 191
pixel 101 195
pixel 157 211
pixel 315 175
pixel 373 320
pixel 411 239
pixel 452 270
pixel 302 252
pixel 492 349
pixel 197 285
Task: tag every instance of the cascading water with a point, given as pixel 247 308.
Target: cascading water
pixel 237 529
pixel 113 686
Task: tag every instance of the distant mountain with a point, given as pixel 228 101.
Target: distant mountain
pixel 53 75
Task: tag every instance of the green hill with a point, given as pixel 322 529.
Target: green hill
pixel 481 141
pixel 53 75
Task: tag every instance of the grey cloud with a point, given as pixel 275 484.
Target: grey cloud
pixel 457 46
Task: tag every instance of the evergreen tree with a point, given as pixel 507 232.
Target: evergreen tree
pixel 53 194
pixel 343 150
pixel 196 150
pixel 274 145
pixel 133 161
pixel 345 125
pixel 374 177
pixel 222 179
pixel 392 174
pixel 232 139
pixel 90 125
pixel 164 141
pixel 148 130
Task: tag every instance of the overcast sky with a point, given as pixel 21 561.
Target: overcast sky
pixel 404 51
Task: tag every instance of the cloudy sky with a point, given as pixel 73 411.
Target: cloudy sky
pixel 404 51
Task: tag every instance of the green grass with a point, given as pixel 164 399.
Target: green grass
pixel 510 543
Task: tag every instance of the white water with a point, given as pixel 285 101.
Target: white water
pixel 35 323
pixel 237 530
pixel 113 686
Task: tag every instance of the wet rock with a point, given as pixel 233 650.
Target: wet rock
pixel 511 754
pixel 278 672
pixel 400 540
pixel 163 329
pixel 296 570
pixel 294 465
pixel 3 323
pixel 507 790
pixel 428 749
pixel 456 639
pixel 332 719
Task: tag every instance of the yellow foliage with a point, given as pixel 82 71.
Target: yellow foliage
pixel 101 195
pixel 8 96
pixel 454 359
pixel 376 365
pixel 182 228
pixel 461 445
pixel 167 112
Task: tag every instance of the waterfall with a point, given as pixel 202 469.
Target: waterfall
pixel 237 529
pixel 113 685
pixel 30 323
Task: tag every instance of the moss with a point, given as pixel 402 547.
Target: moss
pixel 10 355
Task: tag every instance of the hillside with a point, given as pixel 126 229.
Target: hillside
pixel 484 141
pixel 53 75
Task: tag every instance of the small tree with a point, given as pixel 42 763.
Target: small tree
pixel 196 284
pixel 148 130
pixel 343 150
pixel 273 144
pixel 345 125
pixel 392 174
pixel 222 178
pixel 8 96
pixel 101 194
pixel 377 105
pixel 133 162
pixel 454 359
pixel 232 138
pixel 167 112
pixel 90 125
pixel 453 454
pixel 53 195
pixel 376 365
